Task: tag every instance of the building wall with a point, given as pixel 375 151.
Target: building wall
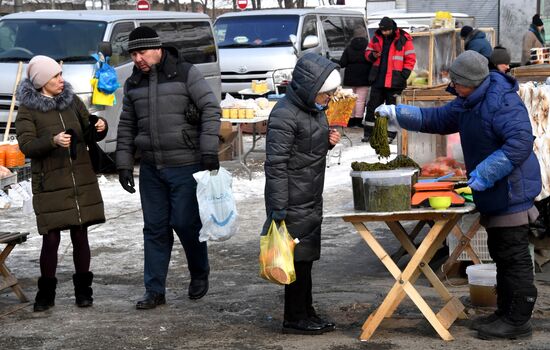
pixel 515 17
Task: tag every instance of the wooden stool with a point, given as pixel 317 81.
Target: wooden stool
pixel 9 280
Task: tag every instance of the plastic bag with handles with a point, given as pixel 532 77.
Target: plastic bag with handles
pixel 217 207
pixel 277 255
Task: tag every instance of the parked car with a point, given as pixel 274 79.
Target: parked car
pixel 72 36
pixel 265 44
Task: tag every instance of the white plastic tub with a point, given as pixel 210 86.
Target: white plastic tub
pixel 482 279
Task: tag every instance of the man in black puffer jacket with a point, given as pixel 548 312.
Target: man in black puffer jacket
pixel 297 142
pixel 173 146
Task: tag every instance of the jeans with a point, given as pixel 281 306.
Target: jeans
pixel 169 202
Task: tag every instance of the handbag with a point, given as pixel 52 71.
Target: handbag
pixel 101 161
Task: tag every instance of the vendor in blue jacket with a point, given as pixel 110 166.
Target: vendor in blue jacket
pixel 504 175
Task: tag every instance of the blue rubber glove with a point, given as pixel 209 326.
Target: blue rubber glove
pixel 477 183
pixel 409 117
pixel 495 167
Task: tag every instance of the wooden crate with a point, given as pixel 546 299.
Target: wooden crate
pixel 535 72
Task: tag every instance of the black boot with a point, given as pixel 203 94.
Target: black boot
pixel 503 301
pixel 515 323
pixel 45 298
pixel 83 288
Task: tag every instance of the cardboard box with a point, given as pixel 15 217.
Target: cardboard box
pixel 228 136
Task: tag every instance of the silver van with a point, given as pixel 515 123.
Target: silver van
pixel 72 36
pixel 265 44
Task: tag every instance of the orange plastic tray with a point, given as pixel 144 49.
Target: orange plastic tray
pixel 419 197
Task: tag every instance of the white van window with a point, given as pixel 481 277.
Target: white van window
pixel 309 27
pixel 334 32
pixel 119 43
pixel 194 40
pixel 255 31
pixel 67 40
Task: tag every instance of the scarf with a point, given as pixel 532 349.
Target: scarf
pixel 533 28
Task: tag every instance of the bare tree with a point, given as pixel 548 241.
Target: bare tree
pixel 288 4
pixel 300 4
pixel 193 6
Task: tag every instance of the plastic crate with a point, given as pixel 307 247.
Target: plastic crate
pixel 478 243
pixel 8 181
pixel 23 172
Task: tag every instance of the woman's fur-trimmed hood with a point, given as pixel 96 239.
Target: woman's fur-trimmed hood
pixel 31 98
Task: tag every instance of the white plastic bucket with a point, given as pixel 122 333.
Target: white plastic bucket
pixel 482 279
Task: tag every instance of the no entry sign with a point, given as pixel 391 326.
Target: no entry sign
pixel 242 4
pixel 143 5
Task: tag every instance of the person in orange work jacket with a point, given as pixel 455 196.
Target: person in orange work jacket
pixel 392 55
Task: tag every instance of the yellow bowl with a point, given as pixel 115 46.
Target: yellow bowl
pixel 440 203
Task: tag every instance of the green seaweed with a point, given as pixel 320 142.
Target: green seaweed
pixel 379 137
pixel 400 161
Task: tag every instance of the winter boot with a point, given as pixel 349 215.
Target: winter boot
pixel 45 298
pixel 83 288
pixel 515 323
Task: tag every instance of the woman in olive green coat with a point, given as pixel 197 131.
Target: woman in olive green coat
pixel 52 128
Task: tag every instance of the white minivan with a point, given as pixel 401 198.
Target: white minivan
pixel 72 36
pixel 265 44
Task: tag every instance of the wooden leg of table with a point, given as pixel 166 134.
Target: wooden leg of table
pixel 374 320
pixel 463 245
pixel 402 251
pixel 405 240
pixel 427 312
pixel 9 278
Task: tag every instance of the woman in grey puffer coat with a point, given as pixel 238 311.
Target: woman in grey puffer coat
pixel 298 139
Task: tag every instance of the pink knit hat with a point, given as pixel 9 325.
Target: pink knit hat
pixel 41 69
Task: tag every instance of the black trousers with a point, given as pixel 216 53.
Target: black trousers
pixel 298 299
pixel 377 97
pixel 509 249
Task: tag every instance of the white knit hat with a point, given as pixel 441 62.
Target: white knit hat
pixel 41 69
pixel 333 81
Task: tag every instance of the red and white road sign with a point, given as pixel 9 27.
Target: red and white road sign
pixel 143 5
pixel 242 4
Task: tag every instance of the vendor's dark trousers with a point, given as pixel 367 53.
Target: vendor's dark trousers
pixel 298 298
pixel 169 202
pixel 377 97
pixel 509 249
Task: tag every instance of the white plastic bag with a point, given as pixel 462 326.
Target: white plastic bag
pixel 216 205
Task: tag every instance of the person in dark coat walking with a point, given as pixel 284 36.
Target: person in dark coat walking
pixel 53 127
pixel 298 139
pixel 173 145
pixel 393 58
pixel 356 74
pixel 504 174
pixel 476 40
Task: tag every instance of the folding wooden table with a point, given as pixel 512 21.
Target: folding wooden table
pixel 443 223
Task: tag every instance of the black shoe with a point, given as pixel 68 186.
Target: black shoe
pixel 391 136
pixel 327 325
pixel 306 327
pixel 365 139
pixel 500 329
pixel 150 301
pixel 483 320
pixel 197 288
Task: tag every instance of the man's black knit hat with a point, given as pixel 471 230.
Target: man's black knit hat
pixel 143 38
pixel 386 23
pixel 465 31
pixel 537 21
pixel 500 56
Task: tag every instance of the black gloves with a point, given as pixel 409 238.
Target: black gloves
pixel 278 215
pixel 74 141
pixel 210 162
pixel 126 179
